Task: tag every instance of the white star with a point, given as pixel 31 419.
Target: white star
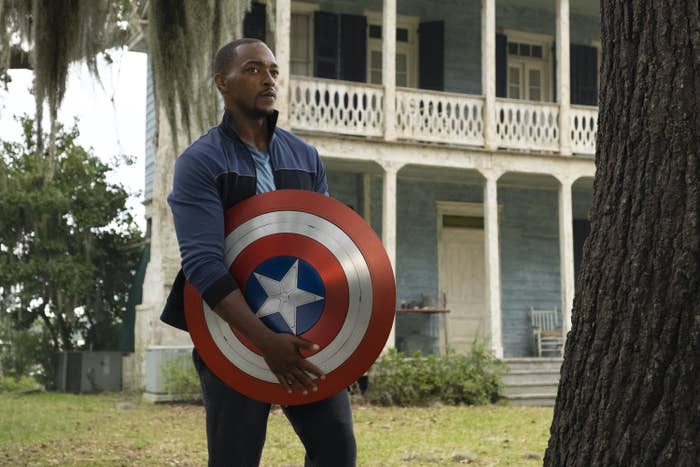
pixel 284 296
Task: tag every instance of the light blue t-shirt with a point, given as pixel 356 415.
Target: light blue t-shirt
pixel 263 170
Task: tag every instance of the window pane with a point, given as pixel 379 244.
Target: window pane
pixel 376 77
pixel 375 31
pixel 402 79
pixel 401 63
pixel 402 35
pixel 535 78
pixel 525 50
pixel 513 48
pixel 299 68
pixel 514 92
pixel 536 51
pixel 535 94
pixel 514 76
pixel 376 60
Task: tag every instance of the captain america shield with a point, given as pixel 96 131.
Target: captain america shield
pixel 307 265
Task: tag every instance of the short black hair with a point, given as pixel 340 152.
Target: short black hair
pixel 227 54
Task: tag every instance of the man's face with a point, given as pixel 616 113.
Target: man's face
pixel 249 85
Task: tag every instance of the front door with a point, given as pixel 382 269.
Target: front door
pixel 462 280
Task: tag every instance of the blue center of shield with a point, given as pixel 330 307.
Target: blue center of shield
pixel 287 294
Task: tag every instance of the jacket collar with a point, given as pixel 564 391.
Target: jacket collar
pixel 228 130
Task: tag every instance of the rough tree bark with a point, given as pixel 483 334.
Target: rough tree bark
pixel 630 385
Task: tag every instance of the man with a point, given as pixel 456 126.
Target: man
pixel 246 154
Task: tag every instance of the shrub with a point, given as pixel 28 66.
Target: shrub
pixel 396 379
pixel 21 384
pixel 181 379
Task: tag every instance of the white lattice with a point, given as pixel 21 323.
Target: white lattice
pixel 439 116
pixel 336 106
pixel 584 127
pixel 530 125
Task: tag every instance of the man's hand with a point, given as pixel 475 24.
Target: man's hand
pixel 281 352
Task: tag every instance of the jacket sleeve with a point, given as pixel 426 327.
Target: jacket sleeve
pixel 321 185
pixel 199 225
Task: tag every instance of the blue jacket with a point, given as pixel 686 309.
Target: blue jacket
pixel 214 173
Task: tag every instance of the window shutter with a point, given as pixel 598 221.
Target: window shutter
pixel 431 55
pixel 353 48
pixel 326 45
pixel 501 65
pixel 584 75
pixel 254 22
pixel 554 72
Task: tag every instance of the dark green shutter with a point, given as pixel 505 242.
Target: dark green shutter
pixel 353 48
pixel 254 22
pixel 326 45
pixel 501 65
pixel 584 75
pixel 431 55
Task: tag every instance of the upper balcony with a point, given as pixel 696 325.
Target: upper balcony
pixel 499 74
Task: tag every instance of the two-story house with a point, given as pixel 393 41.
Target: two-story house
pixel 462 130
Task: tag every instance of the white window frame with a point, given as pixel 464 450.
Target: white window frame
pixel 546 42
pixel 306 9
pixel 409 48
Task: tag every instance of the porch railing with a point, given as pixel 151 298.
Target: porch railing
pixel 349 108
pixel 527 125
pixel 336 106
pixel 584 127
pixel 439 116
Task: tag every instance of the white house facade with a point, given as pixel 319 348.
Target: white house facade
pixel 463 132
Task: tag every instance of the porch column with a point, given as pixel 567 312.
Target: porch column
pixel 389 224
pixel 493 265
pixel 563 76
pixel 389 68
pixel 488 71
pixel 283 17
pixel 566 252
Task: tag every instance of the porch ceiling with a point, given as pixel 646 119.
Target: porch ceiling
pixel 352 166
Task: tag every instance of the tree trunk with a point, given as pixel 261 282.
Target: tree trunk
pixel 630 383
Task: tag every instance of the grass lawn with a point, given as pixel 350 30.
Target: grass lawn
pixel 88 430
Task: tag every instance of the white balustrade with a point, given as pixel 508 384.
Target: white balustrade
pixel 584 127
pixel 439 116
pixel 527 125
pixel 336 106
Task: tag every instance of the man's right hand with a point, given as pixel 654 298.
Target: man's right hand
pixel 282 354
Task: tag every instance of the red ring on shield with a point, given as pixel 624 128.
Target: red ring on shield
pixel 382 285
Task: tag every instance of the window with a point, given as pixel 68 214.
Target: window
pixel 301 58
pixel 529 66
pixel 406 50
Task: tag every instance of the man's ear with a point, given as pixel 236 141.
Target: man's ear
pixel 220 82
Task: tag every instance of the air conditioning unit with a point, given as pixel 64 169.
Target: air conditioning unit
pixel 155 359
pixel 79 371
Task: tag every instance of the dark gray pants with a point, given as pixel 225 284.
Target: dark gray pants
pixel 236 425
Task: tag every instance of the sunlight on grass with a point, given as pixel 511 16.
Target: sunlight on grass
pixel 65 429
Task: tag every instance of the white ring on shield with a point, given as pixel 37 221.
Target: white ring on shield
pixel 352 263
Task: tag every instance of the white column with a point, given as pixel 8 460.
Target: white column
pixel 389 68
pixel 488 71
pixel 493 265
pixel 283 17
pixel 566 252
pixel 389 224
pixel 563 77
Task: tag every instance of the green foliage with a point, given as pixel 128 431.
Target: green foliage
pixel 450 379
pixel 68 245
pixel 181 379
pixel 18 385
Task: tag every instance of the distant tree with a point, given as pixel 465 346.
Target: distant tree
pixel 68 244
pixel 630 382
